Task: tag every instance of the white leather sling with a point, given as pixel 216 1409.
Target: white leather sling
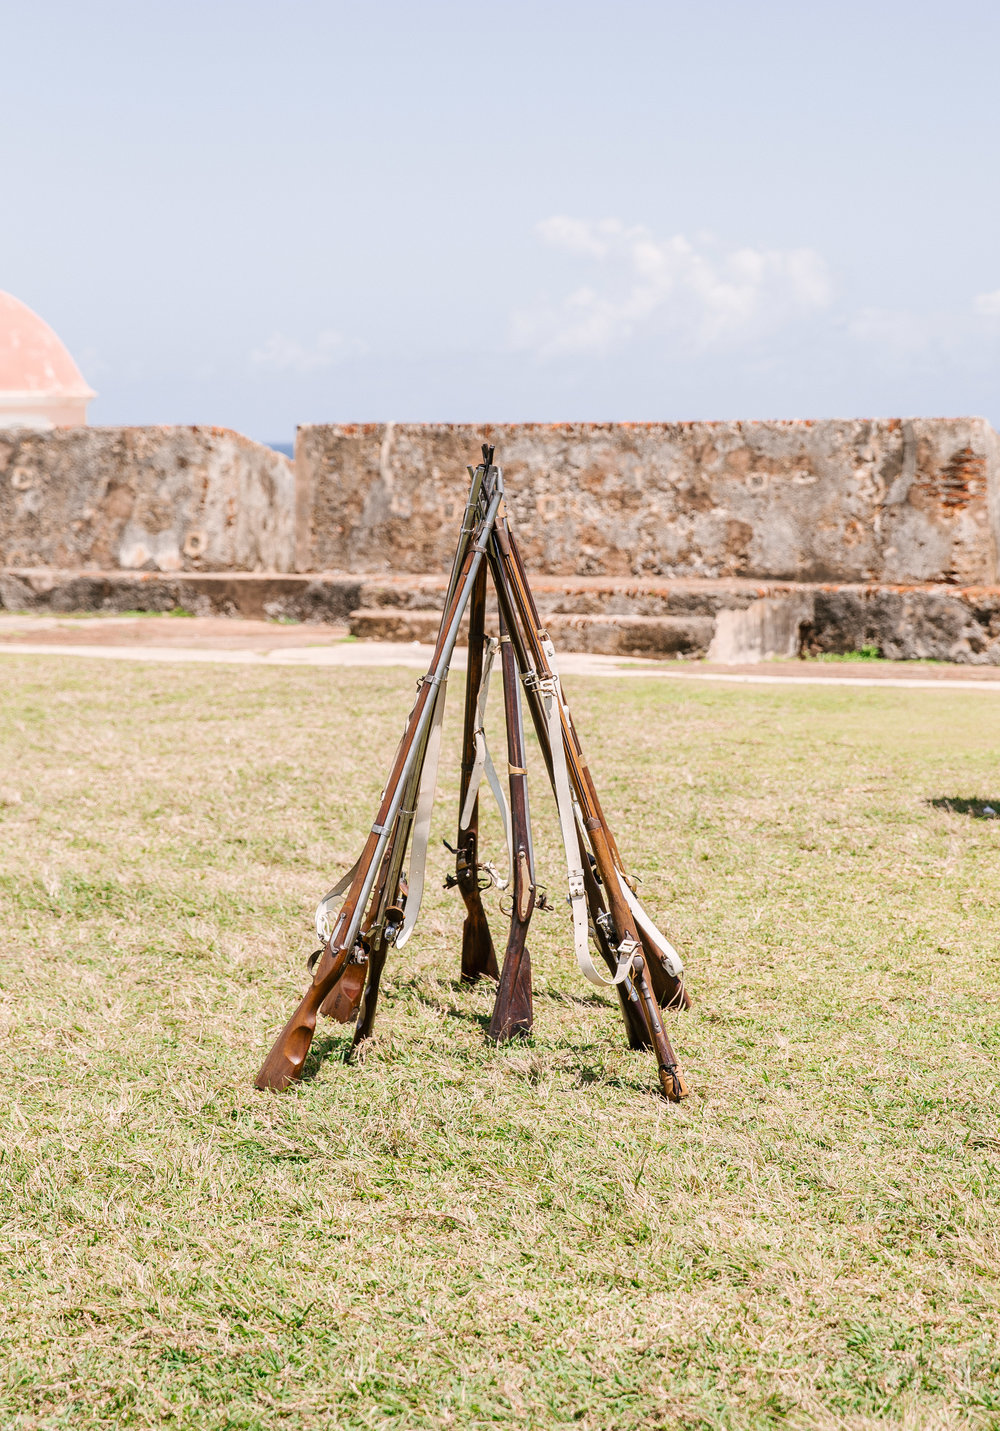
pixel 552 701
pixel 483 764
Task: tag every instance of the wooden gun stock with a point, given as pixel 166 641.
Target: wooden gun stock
pixel 287 1059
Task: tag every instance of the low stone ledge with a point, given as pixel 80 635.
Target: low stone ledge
pixel 740 620
pixel 256 595
pixel 613 635
pixel 600 635
pixel 907 624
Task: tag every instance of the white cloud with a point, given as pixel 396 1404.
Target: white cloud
pixel 707 294
pixel 894 330
pixel 988 303
pixel 280 354
pixel 579 235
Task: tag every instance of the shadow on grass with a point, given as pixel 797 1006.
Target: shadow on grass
pixel 979 809
pixel 413 988
pixel 579 1058
pixel 583 1001
pixel 323 1047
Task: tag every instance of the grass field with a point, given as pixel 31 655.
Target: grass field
pixel 451 1235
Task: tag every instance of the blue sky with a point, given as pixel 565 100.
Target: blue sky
pixel 258 214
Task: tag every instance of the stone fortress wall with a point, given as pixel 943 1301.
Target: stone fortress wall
pixel 892 500
pixel 738 538
pixel 144 498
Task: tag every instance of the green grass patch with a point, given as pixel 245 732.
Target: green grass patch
pixel 452 1235
pixel 864 653
pixel 178 611
pixel 869 654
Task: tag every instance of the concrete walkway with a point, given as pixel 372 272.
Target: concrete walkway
pixel 265 643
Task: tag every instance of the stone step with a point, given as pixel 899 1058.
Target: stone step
pixel 327 597
pixel 731 619
pixel 587 596
pixel 601 635
pixel 331 596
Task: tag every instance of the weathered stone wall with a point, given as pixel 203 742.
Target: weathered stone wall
pixel 848 501
pixel 145 499
pixel 887 500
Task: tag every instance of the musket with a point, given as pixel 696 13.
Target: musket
pixel 512 1010
pixel 344 999
pixel 633 956
pixel 388 911
pixel 478 955
pixel 391 920
pixel 628 997
pixel 286 1060
pixel 668 987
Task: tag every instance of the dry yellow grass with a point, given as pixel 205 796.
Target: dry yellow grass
pixel 456 1236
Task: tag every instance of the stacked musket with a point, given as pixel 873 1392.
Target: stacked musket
pixel 375 906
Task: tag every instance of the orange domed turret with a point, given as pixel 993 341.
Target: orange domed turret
pixel 40 385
